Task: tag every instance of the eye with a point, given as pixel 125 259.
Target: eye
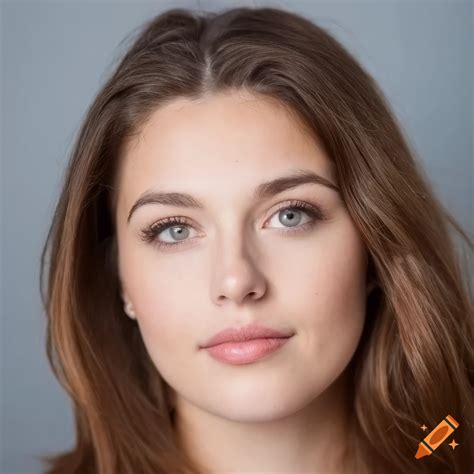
pixel 177 228
pixel 288 214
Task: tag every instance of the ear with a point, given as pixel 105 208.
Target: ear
pixel 128 306
pixel 124 296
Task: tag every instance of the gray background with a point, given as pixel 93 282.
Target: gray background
pixel 54 57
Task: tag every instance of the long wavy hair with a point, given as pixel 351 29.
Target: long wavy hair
pixel 414 364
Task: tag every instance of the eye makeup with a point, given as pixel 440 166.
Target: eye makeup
pixel 151 233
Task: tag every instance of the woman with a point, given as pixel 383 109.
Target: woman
pixel 195 326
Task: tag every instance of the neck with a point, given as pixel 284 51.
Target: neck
pixel 309 440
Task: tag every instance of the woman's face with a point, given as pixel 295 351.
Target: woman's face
pixel 239 259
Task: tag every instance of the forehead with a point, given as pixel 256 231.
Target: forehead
pixel 219 139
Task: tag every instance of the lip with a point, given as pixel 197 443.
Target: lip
pixel 244 334
pixel 246 352
pixel 245 344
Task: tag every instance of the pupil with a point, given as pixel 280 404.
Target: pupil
pixel 290 216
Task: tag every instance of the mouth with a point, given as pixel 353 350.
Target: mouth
pixel 245 334
pixel 246 352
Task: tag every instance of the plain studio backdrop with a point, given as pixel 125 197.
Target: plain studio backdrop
pixel 56 54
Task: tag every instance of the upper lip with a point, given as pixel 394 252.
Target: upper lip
pixel 245 333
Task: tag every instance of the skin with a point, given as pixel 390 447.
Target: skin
pixel 285 413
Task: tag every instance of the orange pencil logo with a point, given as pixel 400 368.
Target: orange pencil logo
pixel 436 437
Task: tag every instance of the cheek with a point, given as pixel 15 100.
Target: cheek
pixel 327 276
pixel 157 296
pixel 163 316
pixel 328 295
pixel 166 331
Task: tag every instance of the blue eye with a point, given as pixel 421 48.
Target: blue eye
pixel 179 226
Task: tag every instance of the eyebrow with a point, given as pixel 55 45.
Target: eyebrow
pixel 262 191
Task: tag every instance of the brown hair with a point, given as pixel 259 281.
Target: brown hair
pixel 414 364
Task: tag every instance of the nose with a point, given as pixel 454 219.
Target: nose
pixel 237 278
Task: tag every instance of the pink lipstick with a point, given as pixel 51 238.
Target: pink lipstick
pixel 246 344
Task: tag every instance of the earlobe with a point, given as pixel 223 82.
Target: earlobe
pixel 128 308
pixel 127 304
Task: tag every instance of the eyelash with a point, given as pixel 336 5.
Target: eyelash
pixel 151 233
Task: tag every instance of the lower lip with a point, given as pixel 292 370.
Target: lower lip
pixel 246 352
